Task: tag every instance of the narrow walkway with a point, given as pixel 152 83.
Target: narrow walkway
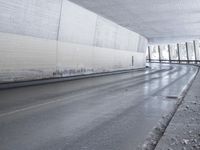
pixel 183 132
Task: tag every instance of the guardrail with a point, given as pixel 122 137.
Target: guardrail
pixel 175 61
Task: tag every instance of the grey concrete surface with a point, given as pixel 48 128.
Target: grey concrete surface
pixel 160 21
pixel 183 132
pixel 57 38
pixel 66 21
pixel 157 20
pixel 30 17
pixel 103 113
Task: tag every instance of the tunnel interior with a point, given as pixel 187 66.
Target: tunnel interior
pixel 99 75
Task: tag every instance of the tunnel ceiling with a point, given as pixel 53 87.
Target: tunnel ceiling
pixel 158 20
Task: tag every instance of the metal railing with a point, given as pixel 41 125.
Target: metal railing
pixel 175 61
pixel 179 60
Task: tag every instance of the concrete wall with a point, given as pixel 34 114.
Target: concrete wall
pixel 51 38
pixel 37 18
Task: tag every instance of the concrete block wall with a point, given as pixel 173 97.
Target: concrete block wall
pixel 54 38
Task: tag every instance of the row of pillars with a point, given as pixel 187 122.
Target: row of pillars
pixel 178 49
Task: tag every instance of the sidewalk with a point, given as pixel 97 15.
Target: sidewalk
pixel 183 132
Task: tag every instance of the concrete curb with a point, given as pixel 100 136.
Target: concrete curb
pixel 157 132
pixel 9 85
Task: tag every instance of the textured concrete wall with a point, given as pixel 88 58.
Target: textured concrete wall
pixel 88 59
pixel 53 38
pixel 96 31
pixel 38 18
pixel 77 25
pixel 24 57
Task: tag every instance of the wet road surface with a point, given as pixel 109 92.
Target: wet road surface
pixel 114 112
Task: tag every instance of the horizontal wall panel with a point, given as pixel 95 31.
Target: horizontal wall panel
pixel 142 44
pixel 133 41
pixel 122 38
pixel 38 18
pixel 81 59
pixel 23 58
pixel 105 35
pixel 77 24
pixel 29 58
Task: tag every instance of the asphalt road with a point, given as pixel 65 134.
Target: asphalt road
pixel 114 112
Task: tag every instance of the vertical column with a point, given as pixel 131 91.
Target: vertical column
pixel 178 49
pixel 149 54
pixel 169 53
pixel 159 53
pixel 186 44
pixel 195 51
